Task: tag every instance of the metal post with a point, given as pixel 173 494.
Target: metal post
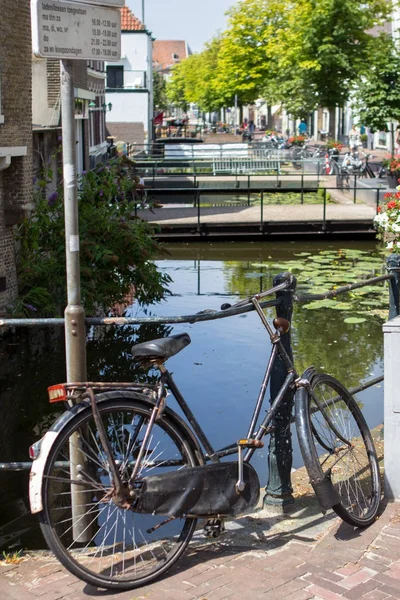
pixel 248 189
pixel 198 211
pixel 262 211
pixel 324 212
pixel 279 488
pixel 393 266
pixel 355 188
pixel 236 119
pixel 302 188
pixel 75 333
pixel 377 200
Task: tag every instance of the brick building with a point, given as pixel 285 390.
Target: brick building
pixel 167 53
pixel 90 112
pixel 15 134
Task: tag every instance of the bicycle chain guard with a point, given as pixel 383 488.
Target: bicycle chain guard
pixel 204 491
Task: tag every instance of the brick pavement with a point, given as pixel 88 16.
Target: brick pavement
pixel 299 563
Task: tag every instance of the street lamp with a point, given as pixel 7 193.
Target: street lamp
pixel 104 107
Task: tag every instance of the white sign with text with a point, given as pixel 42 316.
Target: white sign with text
pixel 66 30
pixel 115 3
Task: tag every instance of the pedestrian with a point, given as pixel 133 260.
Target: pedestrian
pixel 302 127
pixel 354 139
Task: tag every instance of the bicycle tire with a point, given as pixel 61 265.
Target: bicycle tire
pixel 118 555
pixel 326 456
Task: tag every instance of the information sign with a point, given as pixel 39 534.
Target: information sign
pixel 66 30
pixel 115 3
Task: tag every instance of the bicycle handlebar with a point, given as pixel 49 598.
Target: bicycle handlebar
pixel 277 288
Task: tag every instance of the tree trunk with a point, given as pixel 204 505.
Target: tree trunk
pixel 332 123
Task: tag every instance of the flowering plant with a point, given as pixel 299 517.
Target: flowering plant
pixel 334 144
pixel 297 140
pixel 392 163
pixel 387 221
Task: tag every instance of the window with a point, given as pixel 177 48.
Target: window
pixel 115 77
pixel 175 56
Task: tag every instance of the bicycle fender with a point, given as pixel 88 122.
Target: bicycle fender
pixel 37 469
pixel 323 488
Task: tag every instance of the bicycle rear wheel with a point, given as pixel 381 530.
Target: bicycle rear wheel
pixel 108 546
pixel 337 445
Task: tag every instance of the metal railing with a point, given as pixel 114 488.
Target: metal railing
pixel 284 306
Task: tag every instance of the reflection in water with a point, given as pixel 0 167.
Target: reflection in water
pixel 219 373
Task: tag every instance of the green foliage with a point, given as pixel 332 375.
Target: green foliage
pixel 300 54
pixel 194 80
pixel 116 248
pixel 159 91
pixel 377 97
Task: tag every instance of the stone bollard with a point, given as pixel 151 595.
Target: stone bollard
pixel 391 336
pixel 279 488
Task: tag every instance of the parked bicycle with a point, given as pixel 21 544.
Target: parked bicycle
pixel 300 153
pixel 120 479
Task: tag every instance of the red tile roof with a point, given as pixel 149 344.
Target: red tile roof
pixel 169 52
pixel 129 22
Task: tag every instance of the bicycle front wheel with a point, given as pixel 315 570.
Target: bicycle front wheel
pixel 99 542
pixel 337 445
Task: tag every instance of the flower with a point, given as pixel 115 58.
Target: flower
pixel 392 163
pixel 334 144
pixel 52 199
pixel 297 140
pixel 387 221
pixel 30 307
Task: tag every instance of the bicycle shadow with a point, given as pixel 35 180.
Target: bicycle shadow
pixel 254 532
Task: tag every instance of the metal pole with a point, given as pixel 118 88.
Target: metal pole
pixel 279 488
pixel 143 12
pixel 302 188
pixel 393 266
pixel 75 333
pixel 355 188
pixel 236 107
pixel 262 211
pixel 377 200
pixel 324 212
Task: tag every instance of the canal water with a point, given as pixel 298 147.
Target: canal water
pixel 220 372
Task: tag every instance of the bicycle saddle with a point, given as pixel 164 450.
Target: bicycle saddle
pixel 160 349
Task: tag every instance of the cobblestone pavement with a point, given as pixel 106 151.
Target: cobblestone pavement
pixel 320 559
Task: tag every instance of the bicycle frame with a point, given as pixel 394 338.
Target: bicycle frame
pixel 265 427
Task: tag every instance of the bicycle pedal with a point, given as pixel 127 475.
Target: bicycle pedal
pixel 250 443
pixel 213 528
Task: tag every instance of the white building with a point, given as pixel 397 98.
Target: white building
pixel 129 85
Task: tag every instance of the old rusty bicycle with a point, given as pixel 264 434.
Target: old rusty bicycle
pixel 120 480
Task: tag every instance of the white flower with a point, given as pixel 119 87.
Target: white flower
pixel 382 221
pixel 389 246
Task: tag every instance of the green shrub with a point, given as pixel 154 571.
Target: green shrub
pixel 116 247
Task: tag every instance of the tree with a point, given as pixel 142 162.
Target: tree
pixel 159 91
pixel 377 97
pixel 194 80
pixel 298 53
pixel 321 51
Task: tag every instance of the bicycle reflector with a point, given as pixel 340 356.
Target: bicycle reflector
pixel 57 393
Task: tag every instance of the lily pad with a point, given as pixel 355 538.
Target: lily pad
pixel 354 320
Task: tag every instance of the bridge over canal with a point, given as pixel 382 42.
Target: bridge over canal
pixel 262 221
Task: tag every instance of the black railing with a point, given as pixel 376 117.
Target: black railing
pixel 279 462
